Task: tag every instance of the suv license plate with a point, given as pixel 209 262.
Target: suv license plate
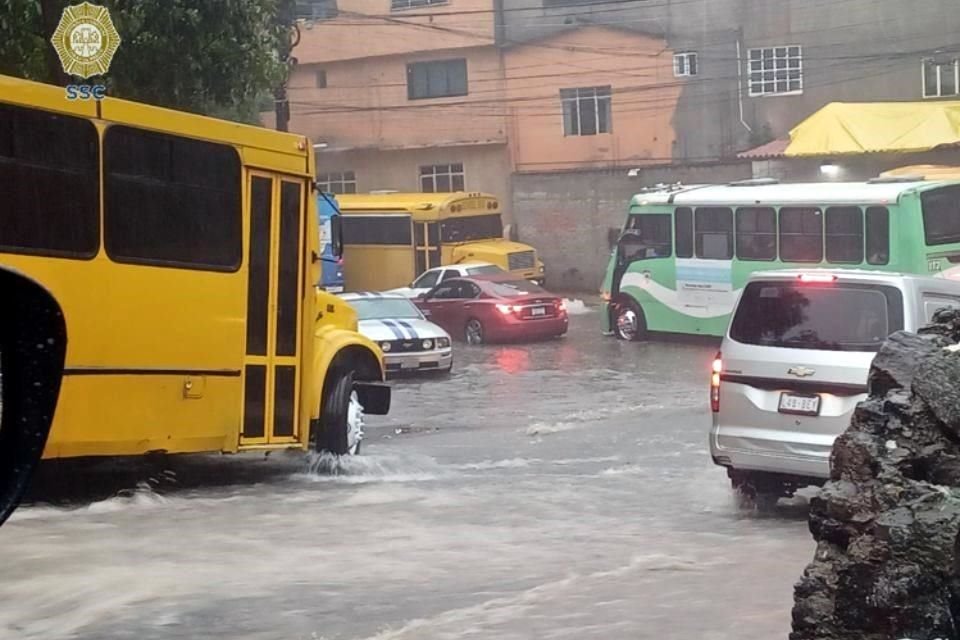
pixel 800 405
pixel 538 311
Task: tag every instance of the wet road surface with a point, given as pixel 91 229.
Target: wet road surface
pixel 550 491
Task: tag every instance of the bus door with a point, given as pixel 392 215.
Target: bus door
pixel 631 247
pixel 271 372
pixel 427 245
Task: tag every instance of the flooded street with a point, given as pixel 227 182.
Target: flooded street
pixel 550 491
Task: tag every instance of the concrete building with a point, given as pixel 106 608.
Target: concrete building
pixel 396 97
pixel 762 66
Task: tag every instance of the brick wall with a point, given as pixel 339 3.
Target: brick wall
pixel 568 215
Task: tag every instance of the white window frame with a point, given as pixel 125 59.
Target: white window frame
pixel 403 5
pixel 584 94
pixel 780 57
pixel 434 173
pixel 327 179
pixel 940 66
pixel 681 64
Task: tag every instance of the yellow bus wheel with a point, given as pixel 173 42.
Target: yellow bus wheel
pixel 341 418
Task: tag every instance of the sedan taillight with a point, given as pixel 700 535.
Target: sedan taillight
pixel 715 383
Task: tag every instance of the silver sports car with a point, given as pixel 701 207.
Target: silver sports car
pixel 410 342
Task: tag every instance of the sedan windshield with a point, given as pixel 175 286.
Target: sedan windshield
pixel 385 308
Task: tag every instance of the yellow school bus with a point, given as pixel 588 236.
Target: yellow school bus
pixel 157 274
pixel 391 238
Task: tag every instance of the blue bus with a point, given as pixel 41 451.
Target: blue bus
pixel 331 279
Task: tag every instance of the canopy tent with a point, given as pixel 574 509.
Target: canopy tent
pixel 926 171
pixel 847 128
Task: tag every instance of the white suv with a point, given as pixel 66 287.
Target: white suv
pixel 794 365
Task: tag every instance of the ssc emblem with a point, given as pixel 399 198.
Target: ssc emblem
pixel 85 40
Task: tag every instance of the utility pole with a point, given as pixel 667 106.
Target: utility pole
pixel 287 24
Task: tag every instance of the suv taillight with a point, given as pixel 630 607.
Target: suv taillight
pixel 715 383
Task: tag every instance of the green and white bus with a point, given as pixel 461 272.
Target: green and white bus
pixel 685 251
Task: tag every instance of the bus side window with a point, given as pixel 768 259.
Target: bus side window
pixel 801 234
pixel 878 235
pixel 714 233
pixel 683 231
pixel 756 233
pixel 844 235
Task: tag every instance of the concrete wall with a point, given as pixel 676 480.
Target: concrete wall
pixel 365 104
pixel 642 101
pixel 568 215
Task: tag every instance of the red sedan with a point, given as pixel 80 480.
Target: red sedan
pixel 494 309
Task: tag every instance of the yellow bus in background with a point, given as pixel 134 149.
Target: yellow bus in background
pixel 170 260
pixel 391 238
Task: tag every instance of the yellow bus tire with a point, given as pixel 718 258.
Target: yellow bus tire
pixel 33 346
pixel 332 436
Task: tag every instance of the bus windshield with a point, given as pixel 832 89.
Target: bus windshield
pixel 385 308
pixel 470 228
pixel 941 215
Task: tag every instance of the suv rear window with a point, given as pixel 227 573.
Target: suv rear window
pixel 827 317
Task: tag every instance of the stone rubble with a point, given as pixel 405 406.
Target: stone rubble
pixel 887 565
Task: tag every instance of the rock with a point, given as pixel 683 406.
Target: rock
pixel 938 385
pixel 887 524
pixel 897 362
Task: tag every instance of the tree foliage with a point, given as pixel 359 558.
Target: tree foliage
pixel 217 57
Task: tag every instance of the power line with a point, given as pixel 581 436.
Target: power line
pixel 326 107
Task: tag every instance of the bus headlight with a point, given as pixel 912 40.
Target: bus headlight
pixel 385 346
pixel 427 344
pixel 443 343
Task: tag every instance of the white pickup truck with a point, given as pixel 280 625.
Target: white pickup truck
pixel 431 277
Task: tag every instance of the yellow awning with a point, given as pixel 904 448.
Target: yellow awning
pixel 842 128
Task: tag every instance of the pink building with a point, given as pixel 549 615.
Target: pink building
pixel 414 96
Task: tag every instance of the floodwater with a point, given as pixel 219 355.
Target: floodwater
pixel 560 490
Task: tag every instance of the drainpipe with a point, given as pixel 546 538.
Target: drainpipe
pixel 740 86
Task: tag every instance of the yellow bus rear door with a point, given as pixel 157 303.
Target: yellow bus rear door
pixel 274 285
pixel 427 241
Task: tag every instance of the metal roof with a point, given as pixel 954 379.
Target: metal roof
pixel 784 194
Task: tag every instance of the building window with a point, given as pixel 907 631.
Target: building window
pixel 776 71
pixel 171 201
pixel 586 112
pixel 437 79
pixel 317 9
pixel 685 64
pixel 337 182
pixel 321 77
pixel 940 79
pixel 400 5
pixel 441 178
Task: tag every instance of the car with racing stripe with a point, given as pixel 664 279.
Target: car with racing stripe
pixel 410 343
